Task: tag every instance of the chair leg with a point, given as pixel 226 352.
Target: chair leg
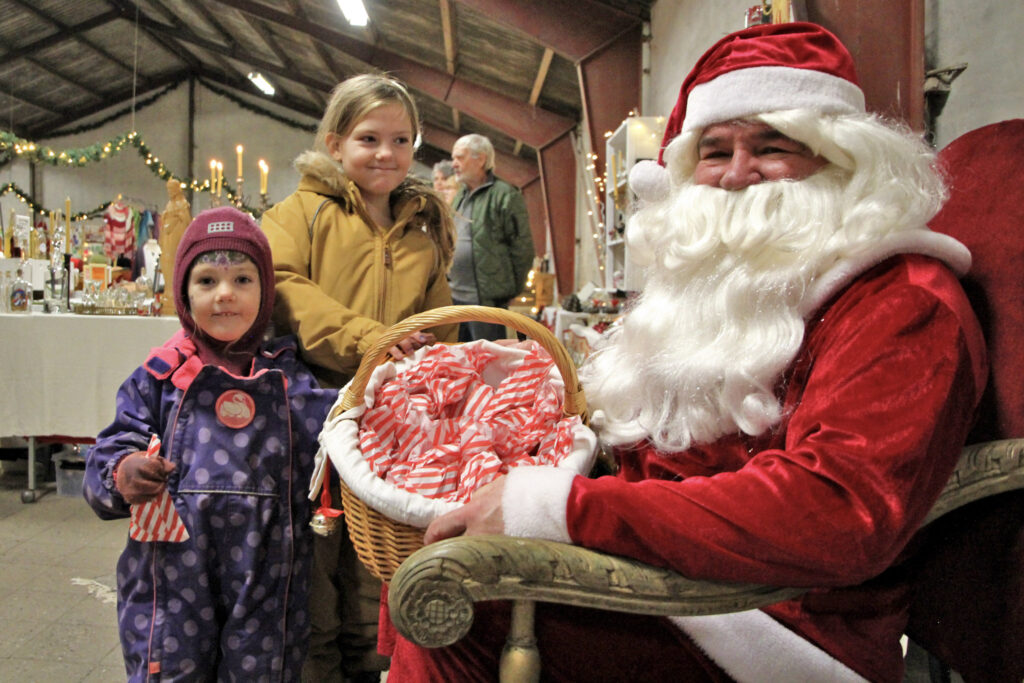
pixel 937 670
pixel 520 660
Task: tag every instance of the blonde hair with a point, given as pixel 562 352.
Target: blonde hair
pixel 354 98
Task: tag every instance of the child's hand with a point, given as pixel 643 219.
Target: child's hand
pixel 140 479
pixel 410 344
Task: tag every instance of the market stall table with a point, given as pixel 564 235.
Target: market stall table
pixel 60 373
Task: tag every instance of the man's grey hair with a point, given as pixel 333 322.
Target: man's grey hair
pixel 445 167
pixel 478 145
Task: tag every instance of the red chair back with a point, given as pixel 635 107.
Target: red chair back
pixel 968 609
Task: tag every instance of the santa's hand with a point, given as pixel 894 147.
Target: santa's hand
pixel 410 344
pixel 481 515
pixel 140 479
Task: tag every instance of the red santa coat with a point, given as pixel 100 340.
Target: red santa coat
pixel 877 406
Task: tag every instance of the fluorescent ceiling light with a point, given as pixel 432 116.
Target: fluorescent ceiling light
pixel 354 12
pixel 260 82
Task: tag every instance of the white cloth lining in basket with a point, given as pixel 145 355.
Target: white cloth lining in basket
pixel 340 441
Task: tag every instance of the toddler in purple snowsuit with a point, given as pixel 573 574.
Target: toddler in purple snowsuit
pixel 238 418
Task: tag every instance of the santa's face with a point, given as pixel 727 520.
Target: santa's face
pixel 738 154
pixel 732 265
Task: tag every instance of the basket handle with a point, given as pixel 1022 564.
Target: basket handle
pixel 574 403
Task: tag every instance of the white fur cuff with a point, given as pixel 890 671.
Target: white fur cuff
pixel 534 500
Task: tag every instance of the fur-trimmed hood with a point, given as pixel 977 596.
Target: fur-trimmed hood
pixel 325 171
pixel 323 168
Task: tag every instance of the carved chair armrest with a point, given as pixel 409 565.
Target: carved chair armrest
pixel 432 594
pixel 984 469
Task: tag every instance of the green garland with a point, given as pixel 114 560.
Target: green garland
pixel 85 155
pixel 11 146
pixel 31 203
pixel 138 106
pixel 308 127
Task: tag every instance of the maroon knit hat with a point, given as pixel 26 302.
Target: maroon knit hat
pixel 226 228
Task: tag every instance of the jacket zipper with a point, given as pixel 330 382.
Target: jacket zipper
pixel 384 278
pixel 152 667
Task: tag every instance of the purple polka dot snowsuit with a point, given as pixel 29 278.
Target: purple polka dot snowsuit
pixel 229 603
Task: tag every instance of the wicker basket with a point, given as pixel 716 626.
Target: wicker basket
pixel 382 543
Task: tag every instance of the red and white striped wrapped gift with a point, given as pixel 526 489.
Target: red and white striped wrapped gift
pixel 157 520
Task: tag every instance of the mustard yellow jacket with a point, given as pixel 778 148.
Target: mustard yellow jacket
pixel 342 279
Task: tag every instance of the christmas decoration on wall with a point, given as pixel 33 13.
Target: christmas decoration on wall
pixel 100 151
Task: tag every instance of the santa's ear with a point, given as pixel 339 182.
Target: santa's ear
pixel 649 180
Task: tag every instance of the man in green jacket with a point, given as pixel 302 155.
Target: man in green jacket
pixel 494 248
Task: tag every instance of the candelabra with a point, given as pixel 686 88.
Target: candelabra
pixel 239 201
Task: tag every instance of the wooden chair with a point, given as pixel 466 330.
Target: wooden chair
pixel 968 607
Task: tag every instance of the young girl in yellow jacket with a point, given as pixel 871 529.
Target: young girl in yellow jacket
pixel 357 247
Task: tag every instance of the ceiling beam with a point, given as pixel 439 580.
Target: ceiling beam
pixel 450 48
pixel 318 47
pixel 113 100
pixel 542 75
pixel 283 100
pixel 62 27
pixel 513 117
pixel 32 102
pixel 513 169
pixel 75 83
pixel 574 29
pixel 68 33
pixel 538 85
pixel 263 30
pixel 181 34
pixel 448 31
pixel 127 10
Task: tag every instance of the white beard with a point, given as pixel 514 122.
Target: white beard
pixel 700 353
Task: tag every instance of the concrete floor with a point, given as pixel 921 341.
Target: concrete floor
pixel 57 602
pixel 57 614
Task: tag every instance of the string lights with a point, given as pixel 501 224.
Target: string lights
pixel 78 157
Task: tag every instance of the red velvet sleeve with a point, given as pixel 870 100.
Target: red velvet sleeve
pixel 876 419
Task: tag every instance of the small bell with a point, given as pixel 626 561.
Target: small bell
pixel 323 524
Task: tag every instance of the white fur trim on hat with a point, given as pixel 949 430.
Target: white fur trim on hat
pixel 649 180
pixel 758 89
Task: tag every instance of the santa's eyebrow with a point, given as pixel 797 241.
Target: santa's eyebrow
pixel 772 135
pixel 769 135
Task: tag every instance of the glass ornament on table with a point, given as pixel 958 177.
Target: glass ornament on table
pixel 54 290
pixel 20 294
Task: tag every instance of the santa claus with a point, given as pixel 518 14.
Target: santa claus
pixel 786 399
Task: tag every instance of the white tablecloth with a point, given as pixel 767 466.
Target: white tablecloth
pixel 59 373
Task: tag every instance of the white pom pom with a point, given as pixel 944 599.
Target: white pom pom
pixel 649 180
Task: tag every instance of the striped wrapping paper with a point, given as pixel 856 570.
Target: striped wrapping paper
pixel 441 430
pixel 157 520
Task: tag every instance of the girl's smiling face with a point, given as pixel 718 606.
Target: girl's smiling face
pixel 377 153
pixel 224 297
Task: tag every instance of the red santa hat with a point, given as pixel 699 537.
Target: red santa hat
pixel 770 67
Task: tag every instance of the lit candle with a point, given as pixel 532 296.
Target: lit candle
pixel 264 173
pixel 220 177
pixel 213 175
pixel 238 150
pixel 67 216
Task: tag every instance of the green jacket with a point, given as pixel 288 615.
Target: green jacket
pixel 502 243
